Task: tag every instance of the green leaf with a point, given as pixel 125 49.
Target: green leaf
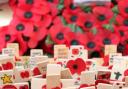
pixel 63 20
pixel 60 6
pixel 48 40
pixel 108 27
pixel 115 9
pixel 94 31
pixel 61 1
pixel 78 29
pixel 72 26
pixel 86 9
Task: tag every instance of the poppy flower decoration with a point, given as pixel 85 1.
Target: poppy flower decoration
pixel 101 16
pixel 24 87
pixel 73 38
pixel 58 33
pixel 76 66
pixel 86 21
pixel 71 16
pixel 122 21
pixel 123 8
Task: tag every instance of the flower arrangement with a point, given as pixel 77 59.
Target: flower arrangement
pixel 44 23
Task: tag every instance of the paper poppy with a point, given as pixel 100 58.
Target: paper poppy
pixel 6 37
pixel 9 87
pixel 123 33
pixel 19 27
pixel 123 7
pixel 92 42
pixel 75 38
pixel 121 21
pixel 71 16
pixel 27 15
pixel 42 8
pixel 36 71
pixel 56 2
pixel 46 20
pixel 102 14
pixel 24 87
pixel 58 33
pixel 108 37
pixel 76 66
pixel 27 4
pixel 86 21
pixel 22 44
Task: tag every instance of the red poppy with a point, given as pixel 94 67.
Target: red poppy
pixel 7 66
pixel 6 37
pixel 13 4
pixel 46 20
pixel 22 44
pixel 36 71
pixel 28 4
pixel 123 33
pixel 126 72
pixel 16 27
pixel 75 38
pixel 76 66
pixel 121 21
pixel 123 7
pixel 24 87
pixel 92 42
pixel 57 20
pixel 37 35
pixel 86 21
pixel 9 87
pixel 68 3
pixel 58 33
pixel 102 14
pixel 56 2
pixel 71 16
pixel 42 8
pixel 27 15
pixel 107 37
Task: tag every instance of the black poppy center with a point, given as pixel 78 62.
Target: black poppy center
pixel 75 66
pixel 28 14
pixel 91 45
pixel 73 18
pixel 121 33
pixel 7 37
pixel 50 0
pixel 74 42
pixel 101 17
pixel 35 29
pixel 126 22
pixel 20 27
pixel 107 41
pixel 29 1
pixel 126 9
pixel 72 7
pixel 95 54
pixel 88 24
pixel 60 36
pixel 25 38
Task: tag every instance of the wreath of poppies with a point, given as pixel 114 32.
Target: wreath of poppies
pixel 44 23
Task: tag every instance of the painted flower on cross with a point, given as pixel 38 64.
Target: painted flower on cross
pixel 76 66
